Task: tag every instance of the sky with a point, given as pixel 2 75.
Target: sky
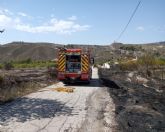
pixel 81 21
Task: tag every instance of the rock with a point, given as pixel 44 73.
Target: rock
pixel 141 80
pixel 131 74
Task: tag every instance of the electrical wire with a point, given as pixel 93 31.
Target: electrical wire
pixel 120 35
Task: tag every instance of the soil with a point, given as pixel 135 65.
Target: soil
pixel 140 105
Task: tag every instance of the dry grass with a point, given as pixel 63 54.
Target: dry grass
pixel 11 93
pixel 17 83
pixel 129 65
pixel 147 65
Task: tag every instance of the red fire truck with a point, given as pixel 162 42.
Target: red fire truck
pixel 74 65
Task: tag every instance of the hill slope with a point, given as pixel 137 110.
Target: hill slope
pixel 101 53
pixel 42 51
pixel 22 51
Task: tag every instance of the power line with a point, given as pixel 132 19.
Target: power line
pixel 128 21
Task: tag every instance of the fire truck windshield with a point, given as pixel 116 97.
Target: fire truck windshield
pixel 73 63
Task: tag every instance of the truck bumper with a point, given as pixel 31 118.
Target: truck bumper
pixel 74 77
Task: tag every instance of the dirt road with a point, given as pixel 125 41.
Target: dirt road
pixel 88 108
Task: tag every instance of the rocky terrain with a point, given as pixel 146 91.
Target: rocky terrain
pixel 139 101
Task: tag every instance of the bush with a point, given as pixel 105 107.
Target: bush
pixel 52 65
pixel 128 66
pixel 28 61
pixel 147 60
pixel 145 65
pixel 33 64
pixel 130 47
pixel 160 61
pixel 8 66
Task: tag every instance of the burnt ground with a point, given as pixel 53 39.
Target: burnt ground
pixel 139 104
pixel 19 82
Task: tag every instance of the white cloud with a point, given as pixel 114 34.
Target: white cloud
pixel 5 12
pixel 9 22
pixel 22 14
pixel 53 25
pixel 72 18
pixel 57 26
pixel 8 12
pixel 5 20
pixel 140 28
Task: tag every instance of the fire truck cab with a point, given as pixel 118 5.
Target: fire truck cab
pixel 74 65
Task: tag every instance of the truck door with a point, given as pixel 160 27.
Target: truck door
pixel 73 63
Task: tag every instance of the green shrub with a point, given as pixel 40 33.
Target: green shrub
pixel 147 60
pixel 8 66
pixel 52 64
pixel 160 61
pixel 33 64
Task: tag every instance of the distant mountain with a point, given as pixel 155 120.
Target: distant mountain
pixel 157 43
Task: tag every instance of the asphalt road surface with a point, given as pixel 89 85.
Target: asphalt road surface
pixel 88 108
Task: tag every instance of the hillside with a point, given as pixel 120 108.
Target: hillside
pixel 101 53
pixel 22 51
pixel 41 51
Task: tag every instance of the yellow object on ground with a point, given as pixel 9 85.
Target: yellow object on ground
pixel 64 89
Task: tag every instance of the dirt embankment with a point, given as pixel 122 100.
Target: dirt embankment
pixel 140 102
pixel 16 83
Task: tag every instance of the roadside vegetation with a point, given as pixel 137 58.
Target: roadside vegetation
pixel 18 78
pixel 27 63
pixel 146 64
pixel 131 47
